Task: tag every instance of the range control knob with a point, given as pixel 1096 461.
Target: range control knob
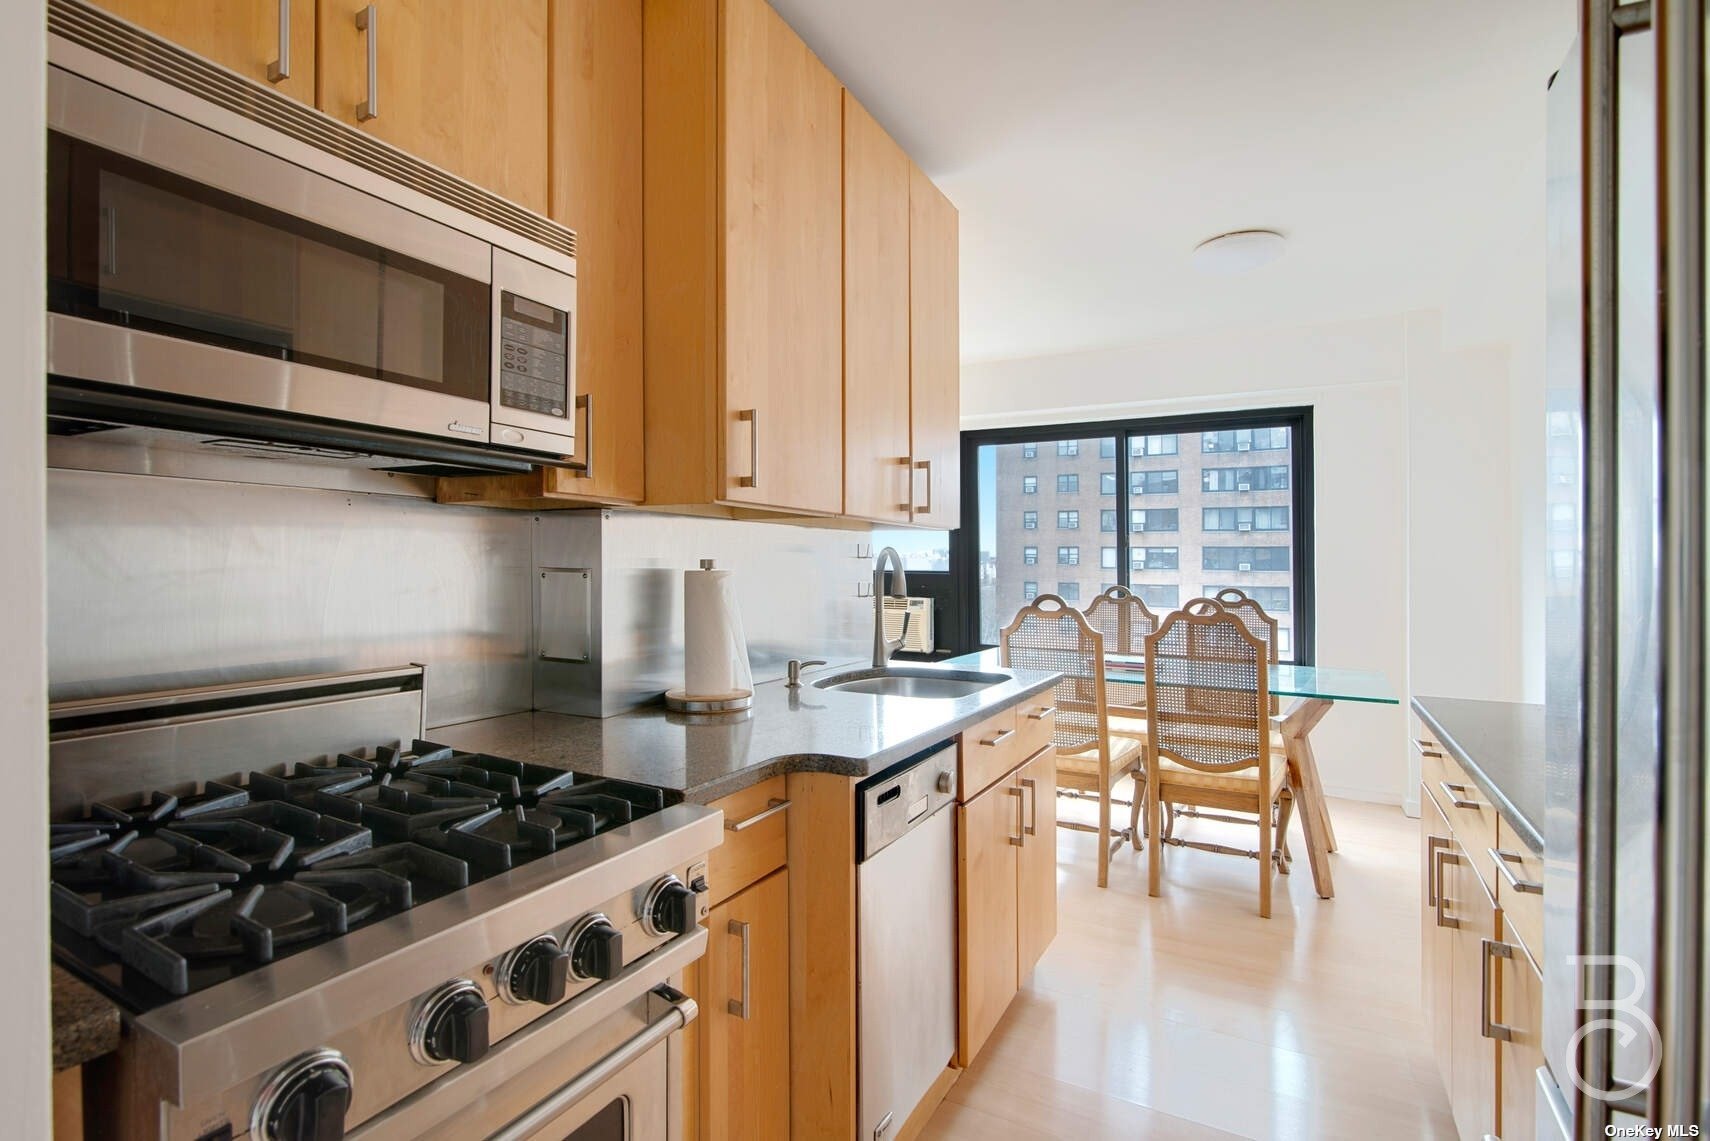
pixel 596 949
pixel 306 1100
pixel 538 971
pixel 671 908
pixel 451 1026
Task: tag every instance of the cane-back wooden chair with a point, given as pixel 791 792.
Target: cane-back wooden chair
pixel 1210 737
pixel 1125 622
pixel 1048 634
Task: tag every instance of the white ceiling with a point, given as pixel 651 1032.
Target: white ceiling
pixel 1091 144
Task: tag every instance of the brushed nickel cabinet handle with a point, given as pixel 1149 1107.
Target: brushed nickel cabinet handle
pixel 773 807
pixel 1020 836
pixel 584 468
pixel 1457 794
pixel 1432 843
pixel 751 416
pixel 925 466
pixel 742 1007
pixel 1425 749
pixel 1506 862
pixel 1032 786
pixel 1042 712
pixel 368 20
pixel 281 67
pixel 997 739
pixel 1444 856
pixel 1490 949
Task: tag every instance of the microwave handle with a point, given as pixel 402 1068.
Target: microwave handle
pixel 583 466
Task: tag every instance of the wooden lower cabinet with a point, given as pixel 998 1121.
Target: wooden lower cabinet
pixel 1472 1061
pixel 1036 862
pixel 739 1055
pixel 1436 938
pixel 1520 1011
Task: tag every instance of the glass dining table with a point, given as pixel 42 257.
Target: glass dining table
pixel 1314 690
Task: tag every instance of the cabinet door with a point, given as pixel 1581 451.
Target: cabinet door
pixel 782 293
pixel 876 450
pixel 1520 1005
pixel 989 836
pixel 935 354
pixel 461 85
pixel 596 191
pixel 240 34
pixel 1472 1066
pixel 1036 873
pixel 745 1083
pixel 1437 942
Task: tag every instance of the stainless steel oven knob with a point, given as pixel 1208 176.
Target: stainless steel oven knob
pixel 670 908
pixel 451 1025
pixel 305 1099
pixel 537 971
pixel 596 948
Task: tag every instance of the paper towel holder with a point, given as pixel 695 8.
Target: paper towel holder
pixel 678 700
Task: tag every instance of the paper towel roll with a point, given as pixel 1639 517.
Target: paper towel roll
pixel 715 652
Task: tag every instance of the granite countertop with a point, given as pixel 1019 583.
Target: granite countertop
pixel 1501 745
pixel 85 1025
pixel 705 757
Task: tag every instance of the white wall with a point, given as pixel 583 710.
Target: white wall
pixel 25 1048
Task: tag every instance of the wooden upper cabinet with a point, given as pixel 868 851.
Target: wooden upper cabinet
pixel 460 85
pixel 743 279
pixel 876 448
pixel 240 34
pixel 596 191
pixel 935 354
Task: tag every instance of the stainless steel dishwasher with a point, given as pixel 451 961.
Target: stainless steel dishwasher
pixel 906 916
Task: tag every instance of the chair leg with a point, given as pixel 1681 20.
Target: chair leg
pixel 1104 837
pixel 1285 809
pixel 1134 808
pixel 1265 868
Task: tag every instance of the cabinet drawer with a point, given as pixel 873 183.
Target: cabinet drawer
pixel 1518 873
pixel 755 844
pixel 1472 817
pixel 989 750
pixel 1035 721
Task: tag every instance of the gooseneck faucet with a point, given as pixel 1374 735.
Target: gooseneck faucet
pixel 883 648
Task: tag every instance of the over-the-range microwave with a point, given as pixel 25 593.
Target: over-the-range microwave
pixel 224 259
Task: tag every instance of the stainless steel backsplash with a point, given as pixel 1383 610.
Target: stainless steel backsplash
pixel 157 583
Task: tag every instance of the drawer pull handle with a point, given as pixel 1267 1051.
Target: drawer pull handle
pixel 1425 749
pixel 773 807
pixel 1444 856
pixel 740 1007
pixel 997 739
pixel 1506 862
pixel 1432 843
pixel 1042 712
pixel 1032 786
pixel 1491 949
pixel 1457 794
pixel 1020 836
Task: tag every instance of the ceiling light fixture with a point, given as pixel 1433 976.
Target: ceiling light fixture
pixel 1238 252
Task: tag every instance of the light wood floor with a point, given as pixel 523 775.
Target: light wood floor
pixel 1188 1016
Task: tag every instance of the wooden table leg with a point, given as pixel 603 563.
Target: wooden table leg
pixel 1303 774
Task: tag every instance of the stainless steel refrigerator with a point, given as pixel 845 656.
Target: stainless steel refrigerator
pixel 1624 884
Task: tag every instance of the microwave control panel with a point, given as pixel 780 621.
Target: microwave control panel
pixel 534 362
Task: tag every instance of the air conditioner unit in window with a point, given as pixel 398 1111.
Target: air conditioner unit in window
pixel 918 638
pixel 1243 566
pixel 1243 446
pixel 1243 526
pixel 1243 487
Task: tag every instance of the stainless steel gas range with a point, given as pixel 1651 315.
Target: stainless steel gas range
pixel 315 939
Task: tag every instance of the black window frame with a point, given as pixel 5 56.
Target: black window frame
pixel 965 565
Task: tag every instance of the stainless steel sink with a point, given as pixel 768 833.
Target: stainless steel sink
pixel 943 685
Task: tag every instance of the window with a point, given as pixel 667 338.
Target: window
pixel 1029 485
pixel 920 550
pixel 1030 520
pixel 1107 520
pixel 1152 445
pixel 1068 483
pixel 1244 440
pixel 1273 598
pixel 1154 519
pixel 1030 555
pixel 1107 558
pixel 1069 591
pixel 1107 483
pixel 1028 452
pixel 1068 520
pixel 1069 556
pixel 1068 447
pixel 1272 478
pixel 1159 596
pixel 1107 448
pixel 1246 558
pixel 1245 519
pixel 1029 590
pixel 1154 558
pixel 1152 483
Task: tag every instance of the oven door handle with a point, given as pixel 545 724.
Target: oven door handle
pixel 668 1011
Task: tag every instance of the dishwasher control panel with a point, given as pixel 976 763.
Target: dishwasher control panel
pixel 903 796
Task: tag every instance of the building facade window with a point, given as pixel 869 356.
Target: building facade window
pixel 1030 555
pixel 1030 520
pixel 1068 483
pixel 1272 477
pixel 1153 483
pixel 1107 521
pixel 1069 591
pixel 1028 452
pixel 1164 445
pixel 1107 448
pixel 1030 590
pixel 1068 447
pixel 1244 440
pixel 1107 558
pixel 1273 598
pixel 1068 520
pixel 1069 556
pixel 1246 558
pixel 1150 519
pixel 1029 485
pixel 1107 483
pixel 1245 519
pixel 1158 596
pixel 1154 558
